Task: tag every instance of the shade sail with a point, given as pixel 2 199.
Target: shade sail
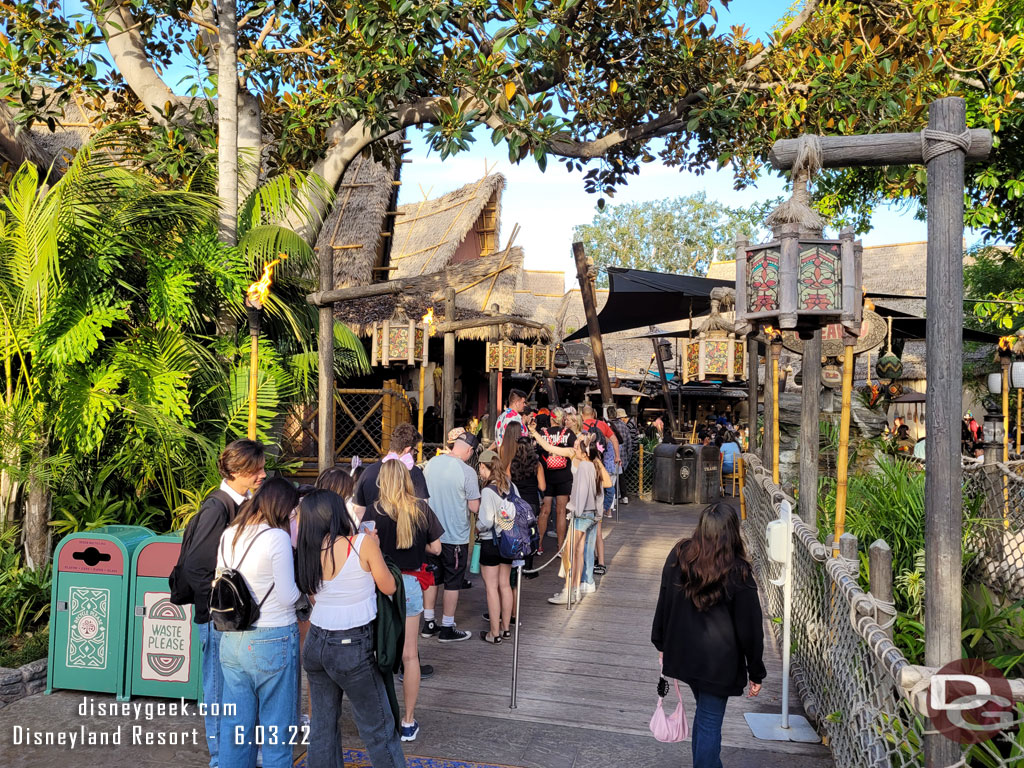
pixel 638 298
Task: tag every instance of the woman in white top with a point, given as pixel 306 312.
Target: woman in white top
pixel 343 573
pixel 496 570
pixel 260 665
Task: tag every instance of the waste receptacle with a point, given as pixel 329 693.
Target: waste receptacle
pixel 89 609
pixel 675 473
pixel 163 644
pixel 709 475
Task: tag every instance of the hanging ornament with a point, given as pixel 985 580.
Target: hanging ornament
pixel 889 366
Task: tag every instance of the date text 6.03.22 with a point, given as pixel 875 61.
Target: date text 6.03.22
pixel 272 735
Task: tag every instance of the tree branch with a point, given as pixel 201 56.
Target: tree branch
pixel 253 15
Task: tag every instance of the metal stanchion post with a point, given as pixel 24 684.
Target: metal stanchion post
pixel 571 543
pixel 515 640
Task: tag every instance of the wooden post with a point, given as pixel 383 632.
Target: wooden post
pixel 742 469
pixel 1018 421
pixel 448 383
pixel 254 379
pixel 419 416
pixel 640 482
pixel 325 345
pixel 590 309
pixel 493 389
pixel 769 398
pixel 810 413
pixel 848 552
pixel 664 392
pixel 880 578
pixel 843 459
pixel 945 319
pixel 753 365
pixel 776 353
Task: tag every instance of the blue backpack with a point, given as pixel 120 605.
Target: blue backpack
pixel 516 536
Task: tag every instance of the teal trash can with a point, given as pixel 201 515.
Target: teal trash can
pixel 164 651
pixel 89 609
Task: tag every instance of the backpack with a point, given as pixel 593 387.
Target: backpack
pixel 515 531
pixel 232 607
pixel 607 454
pixel 181 591
pixel 550 460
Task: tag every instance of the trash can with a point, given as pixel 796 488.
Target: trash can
pixel 675 473
pixel 89 609
pixel 164 652
pixel 709 475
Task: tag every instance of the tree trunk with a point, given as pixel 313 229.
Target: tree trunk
pixel 36 528
pixel 250 144
pixel 227 121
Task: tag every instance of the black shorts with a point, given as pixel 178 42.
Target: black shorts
pixel 450 566
pixel 489 554
pixel 559 488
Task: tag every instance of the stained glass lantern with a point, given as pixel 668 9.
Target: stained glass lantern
pixel 526 357
pixel 398 343
pixel 504 356
pixel 541 357
pixel 799 281
pixel 716 354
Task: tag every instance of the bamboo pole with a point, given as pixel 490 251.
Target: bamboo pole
pixel 775 410
pixel 1018 421
pixel 419 419
pixel 641 480
pixel 843 460
pixel 254 374
pixel 1006 438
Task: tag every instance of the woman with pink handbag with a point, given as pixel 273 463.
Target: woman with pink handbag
pixel 708 630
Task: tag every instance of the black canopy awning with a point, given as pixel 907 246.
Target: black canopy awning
pixel 638 299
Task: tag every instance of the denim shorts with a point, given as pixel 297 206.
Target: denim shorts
pixel 413 595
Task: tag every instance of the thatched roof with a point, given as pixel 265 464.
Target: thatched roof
pixel 428 233
pixel 352 230
pixel 479 285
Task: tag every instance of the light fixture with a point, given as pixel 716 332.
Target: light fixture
pixel 561 357
pixel 665 350
pixel 581 369
pixel 1017 374
pixel 992 425
pixel 995 383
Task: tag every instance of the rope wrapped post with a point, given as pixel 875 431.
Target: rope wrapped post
pixel 880 580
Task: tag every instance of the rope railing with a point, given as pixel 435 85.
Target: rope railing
pixel 857 687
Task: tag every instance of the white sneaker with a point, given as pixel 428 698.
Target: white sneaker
pixel 561 571
pixel 576 596
pixel 587 589
pixel 559 598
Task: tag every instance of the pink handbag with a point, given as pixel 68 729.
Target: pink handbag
pixel 670 728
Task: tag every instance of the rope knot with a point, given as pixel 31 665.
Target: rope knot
pixel 935 143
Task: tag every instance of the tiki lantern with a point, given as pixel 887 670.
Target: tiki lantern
pixel 503 356
pixel 399 343
pixel 560 359
pixel 542 357
pixel 716 354
pixel 799 282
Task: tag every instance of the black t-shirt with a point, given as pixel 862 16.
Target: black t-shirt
pixel 524 474
pixel 387 532
pixel 367 492
pixel 566 438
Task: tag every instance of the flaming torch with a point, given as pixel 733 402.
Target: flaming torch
pixel 255 297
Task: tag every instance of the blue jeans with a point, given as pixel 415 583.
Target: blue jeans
pixel 589 544
pixel 338 662
pixel 261 671
pixel 213 685
pixel 706 735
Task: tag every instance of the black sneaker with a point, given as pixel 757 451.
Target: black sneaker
pixel 426 672
pixel 600 570
pixel 452 635
pixel 467 584
pixel 430 628
pixel 512 623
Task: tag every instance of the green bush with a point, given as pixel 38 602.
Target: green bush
pixel 15 651
pixel 24 593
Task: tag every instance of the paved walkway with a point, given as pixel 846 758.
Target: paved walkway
pixel 586 683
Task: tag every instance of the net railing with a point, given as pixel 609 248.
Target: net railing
pixel 994 508
pixel 857 688
pixel 637 479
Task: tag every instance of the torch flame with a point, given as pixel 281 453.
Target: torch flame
pixel 428 320
pixel 1006 342
pixel 770 333
pixel 259 291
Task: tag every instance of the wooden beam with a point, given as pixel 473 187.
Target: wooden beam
pixel 810 413
pixel 769 396
pixel 590 309
pixel 324 298
pixel 664 392
pixel 942 491
pixel 485 322
pixel 493 388
pixel 448 385
pixel 872 149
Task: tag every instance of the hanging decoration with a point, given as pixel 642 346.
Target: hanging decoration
pixel 716 354
pixel 889 366
pixel 504 356
pixel 398 343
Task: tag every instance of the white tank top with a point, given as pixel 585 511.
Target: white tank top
pixel 348 600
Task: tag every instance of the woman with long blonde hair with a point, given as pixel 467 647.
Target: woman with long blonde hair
pixel 407 530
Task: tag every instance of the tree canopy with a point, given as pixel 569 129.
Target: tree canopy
pixel 681 235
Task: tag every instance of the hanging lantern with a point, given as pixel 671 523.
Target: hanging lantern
pixel 1017 375
pixel 526 357
pixel 799 281
pixel 503 356
pixel 398 343
pixel 716 354
pixel 889 366
pixel 665 350
pixel 893 389
pixel 541 357
pixel 581 369
pixel 561 357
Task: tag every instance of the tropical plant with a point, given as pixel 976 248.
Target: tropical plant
pixel 24 592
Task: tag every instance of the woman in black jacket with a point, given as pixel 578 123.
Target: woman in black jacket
pixel 707 627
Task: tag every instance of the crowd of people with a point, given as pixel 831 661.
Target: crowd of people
pixel 322 565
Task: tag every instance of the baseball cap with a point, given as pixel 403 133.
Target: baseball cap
pixel 487 456
pixel 455 434
pixel 620 413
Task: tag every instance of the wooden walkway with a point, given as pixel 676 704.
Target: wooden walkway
pixel 593 668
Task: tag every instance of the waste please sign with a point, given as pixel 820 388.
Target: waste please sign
pixel 166 639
